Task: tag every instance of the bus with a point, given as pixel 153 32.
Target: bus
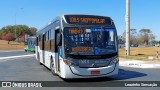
pixel 79 46
pixel 31 43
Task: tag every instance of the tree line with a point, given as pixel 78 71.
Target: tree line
pixel 143 37
pixel 16 32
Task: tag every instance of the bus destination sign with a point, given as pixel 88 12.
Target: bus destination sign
pixel 87 20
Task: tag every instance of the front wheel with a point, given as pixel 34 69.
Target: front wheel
pixel 52 67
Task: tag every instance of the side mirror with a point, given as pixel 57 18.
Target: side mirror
pixel 59 39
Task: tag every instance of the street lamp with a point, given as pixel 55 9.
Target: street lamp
pixel 16 23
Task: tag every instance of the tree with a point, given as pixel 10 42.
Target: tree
pixel 133 36
pixel 20 31
pixel 33 30
pixel 152 37
pixel 9 37
pixel 144 33
pixel 121 39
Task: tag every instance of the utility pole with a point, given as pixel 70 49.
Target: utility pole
pixel 127 18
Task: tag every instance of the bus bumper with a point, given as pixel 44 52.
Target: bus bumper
pixel 71 72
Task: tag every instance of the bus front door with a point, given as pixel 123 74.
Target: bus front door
pixel 57 61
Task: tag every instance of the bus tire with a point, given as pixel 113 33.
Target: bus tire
pixel 52 67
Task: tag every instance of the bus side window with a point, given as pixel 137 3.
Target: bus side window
pixel 58 41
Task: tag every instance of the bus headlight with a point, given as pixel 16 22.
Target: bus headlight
pixel 69 63
pixel 115 61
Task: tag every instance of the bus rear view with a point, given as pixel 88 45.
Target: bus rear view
pixel 87 47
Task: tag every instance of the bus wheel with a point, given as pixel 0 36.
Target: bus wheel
pixel 52 67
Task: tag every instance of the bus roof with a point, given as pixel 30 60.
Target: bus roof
pixel 81 19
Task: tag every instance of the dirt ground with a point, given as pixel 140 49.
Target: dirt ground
pixel 141 53
pixel 11 46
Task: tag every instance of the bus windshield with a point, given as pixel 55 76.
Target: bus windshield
pixel 89 41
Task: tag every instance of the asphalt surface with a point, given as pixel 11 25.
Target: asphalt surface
pixel 13 53
pixel 28 69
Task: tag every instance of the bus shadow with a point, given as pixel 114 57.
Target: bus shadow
pixel 89 79
pixel 122 75
pixel 127 74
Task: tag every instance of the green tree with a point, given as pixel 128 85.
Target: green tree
pixel 33 30
pixel 19 29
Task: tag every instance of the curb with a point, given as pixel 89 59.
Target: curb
pixel 138 64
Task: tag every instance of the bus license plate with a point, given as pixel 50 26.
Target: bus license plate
pixel 95 72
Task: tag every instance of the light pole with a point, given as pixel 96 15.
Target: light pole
pixel 16 25
pixel 127 17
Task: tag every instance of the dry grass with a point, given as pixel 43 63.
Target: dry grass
pixel 12 46
pixel 148 51
pixel 140 53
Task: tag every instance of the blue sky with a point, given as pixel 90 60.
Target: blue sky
pixel 37 13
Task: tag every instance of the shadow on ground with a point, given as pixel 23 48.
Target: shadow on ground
pixel 128 74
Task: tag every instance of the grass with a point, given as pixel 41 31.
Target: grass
pixel 140 53
pixel 12 46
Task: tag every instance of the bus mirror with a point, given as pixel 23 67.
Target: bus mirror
pixel 59 40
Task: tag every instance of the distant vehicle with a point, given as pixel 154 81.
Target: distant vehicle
pixel 31 42
pixel 79 46
pixel 134 45
pixel 121 45
pixel 156 45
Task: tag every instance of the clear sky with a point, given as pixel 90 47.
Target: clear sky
pixel 37 13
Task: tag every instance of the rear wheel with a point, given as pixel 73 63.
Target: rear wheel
pixel 52 67
pixel 25 50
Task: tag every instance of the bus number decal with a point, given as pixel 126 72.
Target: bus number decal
pixel 76 31
pixel 81 49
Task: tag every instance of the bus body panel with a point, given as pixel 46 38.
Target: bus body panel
pixel 48 56
pixel 87 71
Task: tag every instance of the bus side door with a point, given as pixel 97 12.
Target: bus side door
pixel 57 45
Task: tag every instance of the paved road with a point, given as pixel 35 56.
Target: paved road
pixel 13 53
pixel 28 69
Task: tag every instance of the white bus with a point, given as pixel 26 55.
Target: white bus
pixel 79 46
